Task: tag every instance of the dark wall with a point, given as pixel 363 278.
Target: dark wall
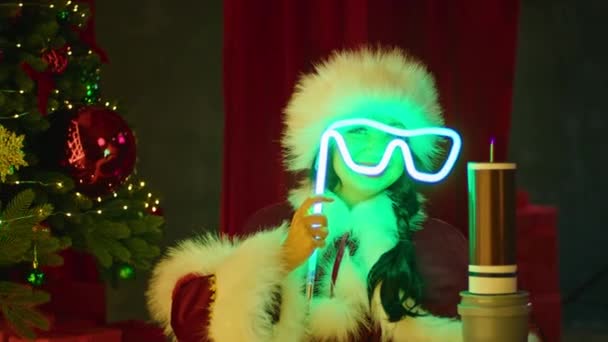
pixel 558 136
pixel 165 64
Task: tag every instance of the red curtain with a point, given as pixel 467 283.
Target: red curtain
pixel 468 46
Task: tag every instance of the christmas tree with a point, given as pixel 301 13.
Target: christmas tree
pixel 67 159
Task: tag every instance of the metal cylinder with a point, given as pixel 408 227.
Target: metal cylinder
pixel 495 318
pixel 492 231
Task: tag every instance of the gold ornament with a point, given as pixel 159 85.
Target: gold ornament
pixel 11 155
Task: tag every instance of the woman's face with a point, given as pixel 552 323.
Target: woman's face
pixel 366 146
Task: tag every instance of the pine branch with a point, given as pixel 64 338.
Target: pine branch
pixel 18 206
pixel 17 303
pixel 16 229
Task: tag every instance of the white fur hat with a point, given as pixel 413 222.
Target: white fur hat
pixel 360 83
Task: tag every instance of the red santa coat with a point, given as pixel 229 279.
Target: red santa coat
pixel 219 289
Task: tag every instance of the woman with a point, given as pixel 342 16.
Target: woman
pixel 369 286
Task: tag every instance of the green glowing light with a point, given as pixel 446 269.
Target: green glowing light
pixel 126 272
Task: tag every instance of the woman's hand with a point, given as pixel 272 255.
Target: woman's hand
pixel 306 233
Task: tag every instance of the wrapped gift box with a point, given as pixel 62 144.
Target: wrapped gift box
pixel 537 250
pixel 140 331
pixel 537 262
pixel 77 301
pixel 547 315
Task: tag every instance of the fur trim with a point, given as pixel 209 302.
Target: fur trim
pixel 366 83
pixel 418 329
pixel 245 282
pixel 294 309
pixel 197 256
pixel 340 318
pixel 237 313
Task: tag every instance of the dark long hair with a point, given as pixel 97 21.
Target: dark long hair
pixel 402 287
pixel 401 290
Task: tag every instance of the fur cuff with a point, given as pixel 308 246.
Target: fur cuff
pixel 294 309
pixel 195 256
pixel 244 284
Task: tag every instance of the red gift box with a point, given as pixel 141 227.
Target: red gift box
pixel 547 315
pixel 140 331
pixel 77 266
pixel 537 263
pixel 77 301
pixel 537 250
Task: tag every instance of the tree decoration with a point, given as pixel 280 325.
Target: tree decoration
pixel 36 276
pixel 91 79
pixel 126 272
pixel 11 155
pixel 98 150
pixel 57 60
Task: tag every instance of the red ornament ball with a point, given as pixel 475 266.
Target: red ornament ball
pixel 99 150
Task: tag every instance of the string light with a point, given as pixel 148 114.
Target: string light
pixel 20 182
pixel 14 116
pixel 67 214
pixel 18 45
pixel 97 211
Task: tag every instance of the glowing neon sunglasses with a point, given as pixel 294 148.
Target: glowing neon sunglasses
pixel 397 142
